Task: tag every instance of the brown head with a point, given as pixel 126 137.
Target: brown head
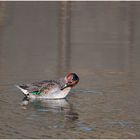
pixel 71 80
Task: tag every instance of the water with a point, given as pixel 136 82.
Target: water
pixel 45 40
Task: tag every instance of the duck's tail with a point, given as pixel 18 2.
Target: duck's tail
pixel 23 89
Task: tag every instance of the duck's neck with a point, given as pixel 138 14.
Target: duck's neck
pixel 61 82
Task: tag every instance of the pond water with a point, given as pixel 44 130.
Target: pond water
pixel 45 40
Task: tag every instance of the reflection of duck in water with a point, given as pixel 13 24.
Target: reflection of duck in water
pixel 50 89
pixel 58 106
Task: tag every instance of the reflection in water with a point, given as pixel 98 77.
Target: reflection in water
pixel 59 106
pixel 2 15
pixel 64 46
pixel 131 34
pixel 2 12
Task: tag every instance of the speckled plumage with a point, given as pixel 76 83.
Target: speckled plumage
pixel 47 88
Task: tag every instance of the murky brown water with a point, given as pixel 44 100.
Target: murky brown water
pixel 97 40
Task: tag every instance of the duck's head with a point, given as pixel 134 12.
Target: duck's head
pixel 70 80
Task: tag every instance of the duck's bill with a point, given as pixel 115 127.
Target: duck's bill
pixel 65 86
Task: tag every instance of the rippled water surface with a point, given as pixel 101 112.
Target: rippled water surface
pixel 45 40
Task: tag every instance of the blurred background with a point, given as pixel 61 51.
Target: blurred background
pixel 97 40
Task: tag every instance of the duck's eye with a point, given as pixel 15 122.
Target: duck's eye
pixel 75 77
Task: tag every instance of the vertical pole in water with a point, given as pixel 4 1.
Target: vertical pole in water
pixel 64 34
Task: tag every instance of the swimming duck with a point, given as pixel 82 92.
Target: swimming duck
pixel 50 89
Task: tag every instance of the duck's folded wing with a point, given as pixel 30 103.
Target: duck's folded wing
pixel 38 86
pixel 29 87
pixel 33 89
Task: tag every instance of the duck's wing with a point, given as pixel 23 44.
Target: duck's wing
pixel 27 88
pixel 50 87
pixel 38 86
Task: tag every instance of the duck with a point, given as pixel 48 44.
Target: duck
pixel 50 89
